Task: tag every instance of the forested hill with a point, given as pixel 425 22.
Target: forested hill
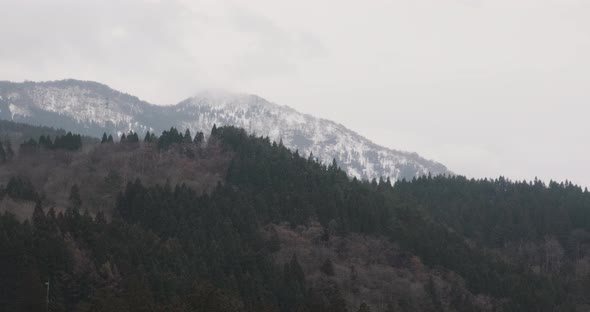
pixel 92 108
pixel 20 132
pixel 240 223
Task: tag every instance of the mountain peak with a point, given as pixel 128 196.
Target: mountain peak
pixel 224 99
pixel 92 108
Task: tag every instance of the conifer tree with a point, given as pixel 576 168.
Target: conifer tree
pixel 104 138
pixel 431 288
pixel 110 139
pixel 9 151
pixel 147 138
pixel 390 308
pixel 199 138
pixel 75 199
pixel 334 165
pixel 188 138
pixel 43 142
pixel 2 153
pixel 364 308
pixel 38 215
pixel 327 267
pixel 29 146
pixel 296 270
pixel 100 218
pixel 134 137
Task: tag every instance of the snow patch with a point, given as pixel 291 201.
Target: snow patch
pixel 18 111
pixel 89 104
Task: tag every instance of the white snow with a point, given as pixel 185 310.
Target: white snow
pixel 325 139
pixel 18 111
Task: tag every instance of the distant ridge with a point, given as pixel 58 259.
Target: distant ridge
pixel 92 108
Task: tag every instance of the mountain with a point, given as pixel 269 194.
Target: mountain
pixel 238 224
pixel 20 132
pixel 92 108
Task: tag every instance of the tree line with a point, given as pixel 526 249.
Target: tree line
pixel 169 248
pixel 69 141
pixel 164 141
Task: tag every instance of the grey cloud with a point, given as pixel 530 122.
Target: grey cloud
pixel 487 87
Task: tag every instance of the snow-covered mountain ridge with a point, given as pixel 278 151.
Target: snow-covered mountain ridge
pixel 91 108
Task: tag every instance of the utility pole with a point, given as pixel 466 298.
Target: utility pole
pixel 47 297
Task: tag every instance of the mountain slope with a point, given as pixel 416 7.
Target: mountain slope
pixel 92 108
pixel 240 224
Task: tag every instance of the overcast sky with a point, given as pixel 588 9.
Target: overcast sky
pixel 487 87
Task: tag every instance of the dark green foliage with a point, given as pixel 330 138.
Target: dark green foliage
pixel 497 212
pixel 131 137
pixel 188 138
pixel 20 132
pixel 21 188
pixel 3 156
pixel 390 308
pixel 292 295
pixel 150 138
pixel 169 248
pixel 29 146
pixel 431 288
pixel 170 137
pixel 147 138
pixel 75 199
pixel 327 298
pixel 364 308
pixel 104 138
pixel 9 151
pixel 199 138
pixel 309 190
pixel 113 180
pixel 69 141
pixel 45 142
pixel 328 267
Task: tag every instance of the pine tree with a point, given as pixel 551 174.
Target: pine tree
pixel 43 142
pixel 75 199
pixel 364 308
pixel 59 142
pixel 78 141
pixel 390 308
pixel 147 138
pixel 431 288
pixel 132 137
pixel 9 151
pixel 2 153
pixel 327 267
pixel 104 138
pixel 100 218
pixel 38 216
pixel 110 139
pixel 199 138
pixel 294 289
pixel 188 138
pixel 296 270
pixel 354 280
pixel 334 165
pixel 29 146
